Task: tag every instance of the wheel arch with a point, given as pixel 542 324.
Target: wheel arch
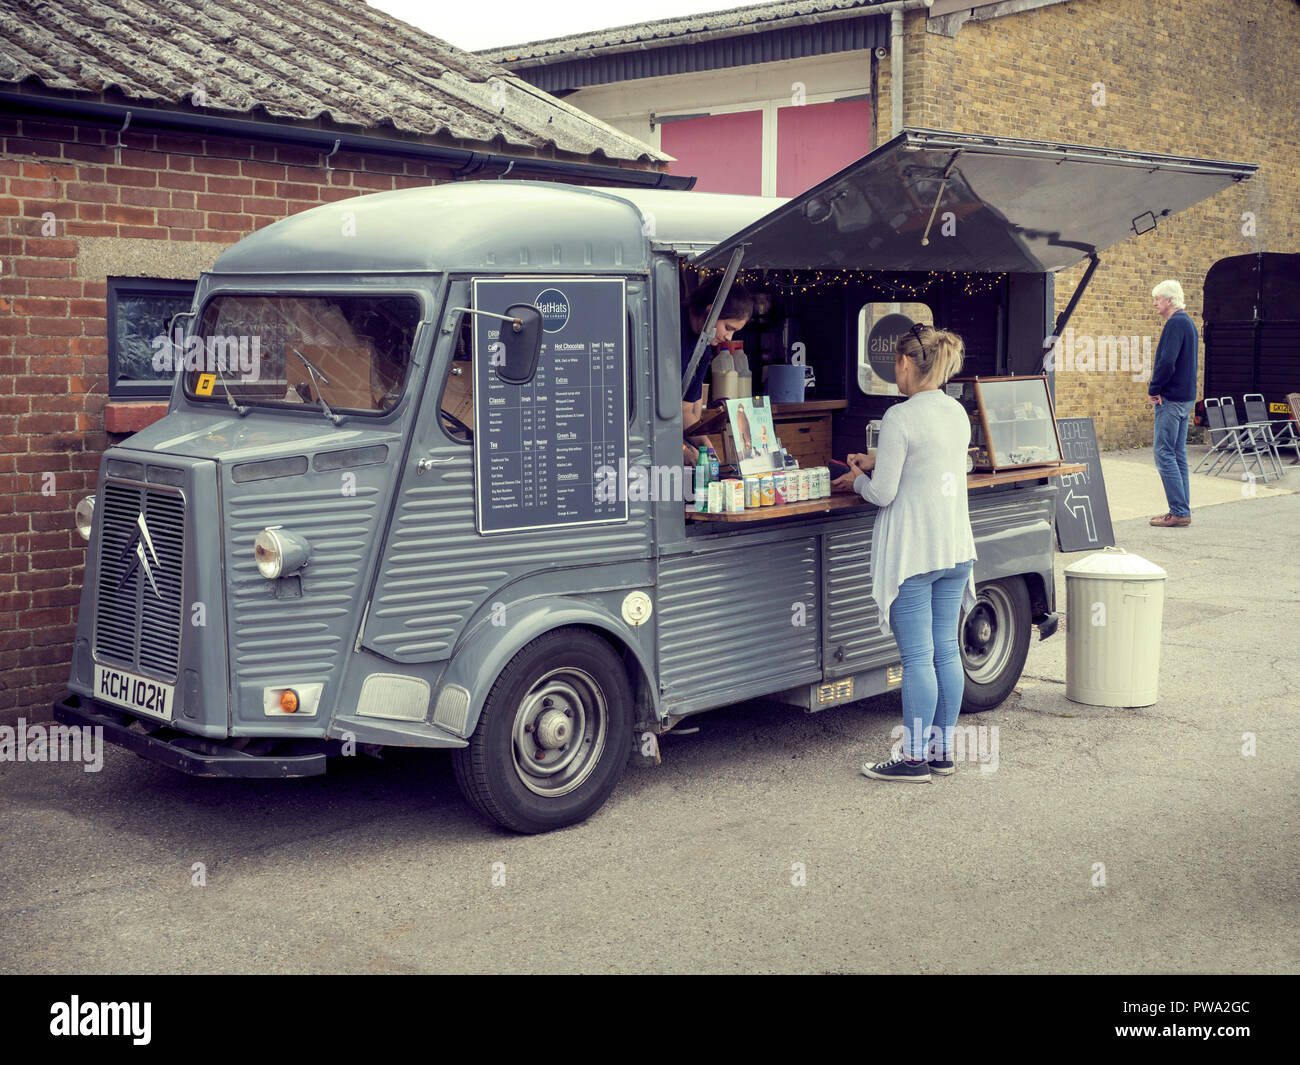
pixel 488 649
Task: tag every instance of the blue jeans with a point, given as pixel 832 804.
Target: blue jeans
pixel 1171 453
pixel 924 619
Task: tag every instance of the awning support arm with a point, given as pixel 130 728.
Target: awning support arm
pixel 1094 261
pixel 719 301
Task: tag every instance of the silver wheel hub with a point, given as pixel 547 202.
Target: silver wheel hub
pixel 987 635
pixel 559 733
pixel 553 729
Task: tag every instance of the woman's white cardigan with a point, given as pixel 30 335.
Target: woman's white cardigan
pixel 919 484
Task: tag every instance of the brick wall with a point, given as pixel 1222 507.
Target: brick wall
pixel 1183 77
pixel 64 187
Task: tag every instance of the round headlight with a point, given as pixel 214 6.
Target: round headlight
pixel 280 552
pixel 84 515
pixel 270 555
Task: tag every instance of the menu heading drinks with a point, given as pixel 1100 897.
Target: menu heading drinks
pixel 538 446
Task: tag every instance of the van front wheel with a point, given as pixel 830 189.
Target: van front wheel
pixel 554 737
pixel 994 642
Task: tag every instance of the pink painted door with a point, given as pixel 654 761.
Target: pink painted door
pixel 725 152
pixel 814 141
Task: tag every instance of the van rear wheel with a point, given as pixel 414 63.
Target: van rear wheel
pixel 994 642
pixel 554 737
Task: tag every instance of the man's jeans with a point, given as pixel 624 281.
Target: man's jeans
pixel 1171 453
pixel 924 618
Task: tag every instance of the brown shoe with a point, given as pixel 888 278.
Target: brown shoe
pixel 1168 521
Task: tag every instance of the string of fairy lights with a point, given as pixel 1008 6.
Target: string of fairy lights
pixel 909 288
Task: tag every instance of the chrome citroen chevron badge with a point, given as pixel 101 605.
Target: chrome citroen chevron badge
pixel 137 544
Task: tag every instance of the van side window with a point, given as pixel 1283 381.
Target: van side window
pixel 456 406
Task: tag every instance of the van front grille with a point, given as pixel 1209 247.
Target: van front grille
pixel 138 619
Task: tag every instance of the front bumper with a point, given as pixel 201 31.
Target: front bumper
pixel 159 742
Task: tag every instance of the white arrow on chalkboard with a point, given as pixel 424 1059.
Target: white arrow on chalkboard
pixel 1084 508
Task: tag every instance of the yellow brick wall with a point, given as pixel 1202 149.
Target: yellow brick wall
pixel 1207 78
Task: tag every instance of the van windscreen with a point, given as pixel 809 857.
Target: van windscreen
pixel 285 350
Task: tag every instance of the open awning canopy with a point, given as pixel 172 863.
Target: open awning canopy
pixel 937 200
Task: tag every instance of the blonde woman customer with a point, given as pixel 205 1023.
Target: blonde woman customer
pixel 922 549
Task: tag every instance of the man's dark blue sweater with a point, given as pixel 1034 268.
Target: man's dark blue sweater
pixel 1174 374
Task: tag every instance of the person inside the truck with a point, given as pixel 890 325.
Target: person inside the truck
pixel 733 317
pixel 922 547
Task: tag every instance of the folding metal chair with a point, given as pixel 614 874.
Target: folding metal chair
pixel 1251 440
pixel 1281 432
pixel 1221 441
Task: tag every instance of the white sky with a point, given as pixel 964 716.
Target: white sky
pixel 475 24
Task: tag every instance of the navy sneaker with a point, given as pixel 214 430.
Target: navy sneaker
pixel 897 769
pixel 943 766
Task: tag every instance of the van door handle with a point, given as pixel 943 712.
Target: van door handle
pixel 425 465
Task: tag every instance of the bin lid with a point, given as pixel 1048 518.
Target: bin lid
pixel 1116 564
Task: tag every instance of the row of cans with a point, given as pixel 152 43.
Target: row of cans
pixel 769 489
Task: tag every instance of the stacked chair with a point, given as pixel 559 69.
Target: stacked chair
pixel 1249 443
pixel 1282 433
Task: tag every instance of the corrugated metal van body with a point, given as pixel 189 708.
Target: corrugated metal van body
pixel 439 575
pixel 738 620
pixel 278 638
pixel 853 638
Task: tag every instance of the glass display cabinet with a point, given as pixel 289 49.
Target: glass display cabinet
pixel 1012 422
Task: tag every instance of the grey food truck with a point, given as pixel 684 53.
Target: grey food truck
pixel 391 534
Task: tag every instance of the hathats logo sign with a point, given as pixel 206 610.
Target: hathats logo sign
pixel 554 306
pixel 881 342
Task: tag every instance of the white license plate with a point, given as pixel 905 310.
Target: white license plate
pixel 142 694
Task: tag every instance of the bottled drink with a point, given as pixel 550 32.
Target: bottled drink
pixel 714 465
pixel 702 480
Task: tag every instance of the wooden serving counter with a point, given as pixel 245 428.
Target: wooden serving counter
pixel 846 500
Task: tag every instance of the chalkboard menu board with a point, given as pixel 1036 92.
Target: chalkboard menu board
pixel 538 446
pixel 1082 510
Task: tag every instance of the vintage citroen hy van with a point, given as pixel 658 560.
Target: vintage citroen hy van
pixel 388 532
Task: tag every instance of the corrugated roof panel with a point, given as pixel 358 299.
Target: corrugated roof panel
pixel 795 42
pixel 642 35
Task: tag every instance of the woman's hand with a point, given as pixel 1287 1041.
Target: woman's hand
pixel 844 482
pixel 864 463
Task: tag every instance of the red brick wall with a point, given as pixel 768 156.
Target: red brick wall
pixel 53 340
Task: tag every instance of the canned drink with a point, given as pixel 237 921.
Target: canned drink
pixel 767 493
pixel 781 488
pixel 715 497
pixel 819 486
pixel 801 484
pixel 733 495
pixel 753 490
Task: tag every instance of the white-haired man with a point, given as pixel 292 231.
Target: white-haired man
pixel 1172 391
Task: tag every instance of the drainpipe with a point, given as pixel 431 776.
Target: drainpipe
pixel 895 11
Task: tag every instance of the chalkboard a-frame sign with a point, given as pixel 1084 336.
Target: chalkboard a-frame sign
pixel 1082 510
pixel 538 447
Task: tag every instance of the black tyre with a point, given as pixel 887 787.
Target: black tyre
pixel 554 737
pixel 994 642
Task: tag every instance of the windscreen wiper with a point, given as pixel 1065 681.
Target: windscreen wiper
pixel 238 408
pixel 315 373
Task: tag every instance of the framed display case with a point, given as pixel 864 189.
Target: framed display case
pixel 1013 422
